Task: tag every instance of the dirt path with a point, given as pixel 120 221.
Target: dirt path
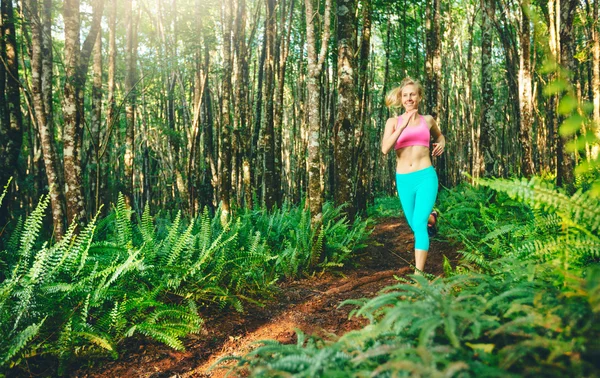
pixel 309 304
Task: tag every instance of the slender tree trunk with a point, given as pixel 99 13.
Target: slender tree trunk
pixel 241 84
pixel 11 134
pixel 526 102
pixel 344 127
pixel 96 123
pixel 596 76
pixel 385 181
pixel 226 153
pixel 256 176
pixel 565 175
pixel 130 79
pixel 268 132
pixel 552 116
pixel 433 61
pixel 315 64
pixel 278 117
pixel 41 87
pixel 207 192
pixel 111 115
pixel 76 66
pixel 361 155
pixel 485 155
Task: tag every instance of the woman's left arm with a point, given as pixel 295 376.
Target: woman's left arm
pixel 439 141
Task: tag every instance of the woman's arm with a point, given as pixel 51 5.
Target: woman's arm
pixel 390 136
pixel 439 141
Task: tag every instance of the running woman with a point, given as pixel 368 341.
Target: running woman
pixel 416 179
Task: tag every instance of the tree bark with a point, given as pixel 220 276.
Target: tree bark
pixel 484 154
pixel 11 134
pixel 278 116
pixel 565 175
pixel 268 132
pixel 225 172
pixel 526 101
pixel 76 66
pixel 433 61
pixel 96 123
pixel 596 76
pixel 361 154
pixel 130 107
pixel 315 64
pixel 344 127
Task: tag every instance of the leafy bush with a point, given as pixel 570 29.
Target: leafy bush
pixel 87 293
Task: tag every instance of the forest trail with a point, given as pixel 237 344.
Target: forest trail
pixel 309 304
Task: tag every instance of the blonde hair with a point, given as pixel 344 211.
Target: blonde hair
pixel 394 97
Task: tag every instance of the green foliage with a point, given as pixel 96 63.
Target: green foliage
pixel 525 319
pixel 297 247
pixel 386 207
pixel 124 276
pixel 566 228
pixel 525 302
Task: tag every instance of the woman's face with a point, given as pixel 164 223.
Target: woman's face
pixel 410 97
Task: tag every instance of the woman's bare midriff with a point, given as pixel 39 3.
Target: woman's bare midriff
pixel 412 158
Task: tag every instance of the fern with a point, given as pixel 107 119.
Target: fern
pixel 123 221
pixel 581 208
pixel 18 342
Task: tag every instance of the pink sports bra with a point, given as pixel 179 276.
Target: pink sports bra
pixel 413 135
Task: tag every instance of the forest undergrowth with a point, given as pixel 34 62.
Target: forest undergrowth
pixel 524 301
pixel 125 276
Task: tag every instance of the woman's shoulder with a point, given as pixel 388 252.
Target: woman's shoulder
pixel 429 119
pixel 392 120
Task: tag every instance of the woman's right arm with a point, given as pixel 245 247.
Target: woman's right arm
pixel 389 135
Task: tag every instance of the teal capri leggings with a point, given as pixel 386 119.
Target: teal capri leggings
pixel 417 192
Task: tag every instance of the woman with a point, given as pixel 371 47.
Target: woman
pixel 416 180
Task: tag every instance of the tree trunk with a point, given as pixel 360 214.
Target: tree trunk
pixel 76 67
pixel 225 172
pixel 278 117
pixel 267 130
pixel 433 62
pixel 130 79
pixel 241 84
pixel 315 64
pixel 11 134
pixel 96 123
pixel 596 76
pixel 344 128
pixel 526 100
pixel 485 156
pixel 111 116
pixel 361 155
pixel 565 174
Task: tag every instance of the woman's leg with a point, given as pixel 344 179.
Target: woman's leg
pixel 406 193
pixel 425 196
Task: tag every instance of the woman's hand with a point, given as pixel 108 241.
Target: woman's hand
pixel 438 147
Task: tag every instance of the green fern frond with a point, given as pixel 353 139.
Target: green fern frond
pixel 181 242
pixel 31 231
pixel 103 341
pixel 580 208
pixel 83 243
pixel 15 237
pixel 20 341
pixel 123 221
pixel 159 333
